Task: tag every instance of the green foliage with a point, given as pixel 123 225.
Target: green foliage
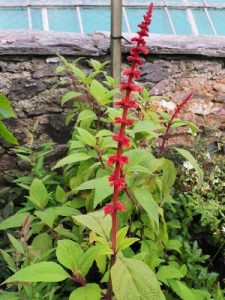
pixel 132 279
pixel 40 272
pixel 89 291
pixel 6 112
pixel 60 232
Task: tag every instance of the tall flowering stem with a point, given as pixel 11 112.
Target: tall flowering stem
pixel 169 124
pixel 117 178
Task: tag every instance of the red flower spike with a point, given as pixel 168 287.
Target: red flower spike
pixel 122 160
pixel 130 87
pixel 118 183
pixel 117 178
pixel 110 208
pixel 128 104
pixel 135 73
pixel 135 59
pixel 120 206
pixel 122 139
pixel 139 40
pixel 128 122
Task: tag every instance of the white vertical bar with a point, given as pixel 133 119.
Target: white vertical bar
pixel 80 20
pixel 170 20
pixel 210 21
pixel 44 14
pixel 126 20
pixel 192 22
pixel 29 17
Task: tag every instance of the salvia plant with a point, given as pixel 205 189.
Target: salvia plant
pixel 94 226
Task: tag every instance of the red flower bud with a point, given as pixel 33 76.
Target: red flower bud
pixel 127 122
pixel 122 139
pixel 128 104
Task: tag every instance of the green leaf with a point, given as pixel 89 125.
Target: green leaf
pixel 69 95
pixel 47 216
pixel 96 222
pixel 7 135
pixel 189 157
pixel 16 244
pixel 132 279
pixel 144 197
pixel 183 291
pixel 16 220
pixel 72 159
pixel 124 242
pixel 190 125
pixel 68 254
pixel 86 115
pixel 87 259
pixel 97 90
pixel 169 272
pixel 102 190
pixel 146 126
pixel 9 260
pixel 40 272
pixel 9 296
pixel 65 211
pixel 6 110
pixel 90 291
pixel 174 245
pixel 60 194
pixel 38 193
pixel 86 137
pixel 42 243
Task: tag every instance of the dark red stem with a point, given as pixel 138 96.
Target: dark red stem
pixel 169 124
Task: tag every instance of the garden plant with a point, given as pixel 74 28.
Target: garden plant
pixel 104 222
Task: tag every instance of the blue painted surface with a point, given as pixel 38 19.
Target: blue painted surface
pixel 218 19
pixel 97 19
pixel 13 18
pixel 63 19
pixel 160 23
pixel 36 19
pixel 180 21
pixel 202 22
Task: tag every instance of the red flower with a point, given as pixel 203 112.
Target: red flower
pixel 122 160
pixel 128 104
pixel 130 87
pixel 139 40
pixel 137 50
pixel 135 59
pixel 122 139
pixel 110 208
pixel 128 122
pixel 118 183
pixel 134 73
pixel 120 206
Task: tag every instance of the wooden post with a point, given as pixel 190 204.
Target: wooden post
pixel 116 33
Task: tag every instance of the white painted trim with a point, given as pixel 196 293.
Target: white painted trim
pixel 210 21
pixel 170 20
pixel 44 14
pixel 192 22
pixel 29 18
pixel 80 19
pixel 126 20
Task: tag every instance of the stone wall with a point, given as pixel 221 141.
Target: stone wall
pixel 27 80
